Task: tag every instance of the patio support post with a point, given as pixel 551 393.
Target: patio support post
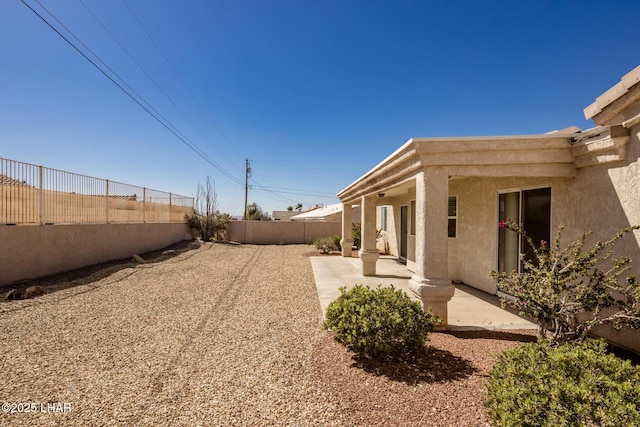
pixel 347 239
pixel 430 281
pixel 368 253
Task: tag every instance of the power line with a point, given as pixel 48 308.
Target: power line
pixel 307 192
pixel 299 194
pixel 155 114
pixel 149 109
pixel 265 189
pixel 298 180
pixel 279 194
pixel 124 49
pixel 175 72
pixel 300 166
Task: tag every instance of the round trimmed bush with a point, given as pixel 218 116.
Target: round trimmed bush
pixel 571 385
pixel 378 322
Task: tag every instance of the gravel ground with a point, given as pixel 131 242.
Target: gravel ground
pixel 221 335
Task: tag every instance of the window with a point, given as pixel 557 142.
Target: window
pixel 413 218
pixel 453 216
pixel 532 209
pixel 383 218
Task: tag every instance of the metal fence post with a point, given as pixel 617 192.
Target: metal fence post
pixel 41 195
pixel 144 205
pixel 106 202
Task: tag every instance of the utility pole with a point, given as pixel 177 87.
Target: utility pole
pixel 247 171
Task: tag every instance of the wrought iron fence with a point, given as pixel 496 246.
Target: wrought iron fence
pixel 31 194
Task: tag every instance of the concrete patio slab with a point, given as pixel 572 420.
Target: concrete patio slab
pixel 469 309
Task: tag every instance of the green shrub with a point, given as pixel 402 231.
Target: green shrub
pixel 356 234
pixel 327 244
pixel 570 385
pixel 336 241
pixel 378 322
pixel 569 290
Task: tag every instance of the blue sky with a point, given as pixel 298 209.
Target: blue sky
pixel 314 93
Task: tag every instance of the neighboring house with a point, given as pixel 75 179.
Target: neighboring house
pixel 440 199
pixel 327 213
pixel 283 215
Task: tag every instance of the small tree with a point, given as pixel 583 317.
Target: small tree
pixel 568 292
pixel 255 213
pixel 299 207
pixel 290 208
pixel 207 219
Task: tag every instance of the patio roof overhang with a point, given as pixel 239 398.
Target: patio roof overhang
pixel 548 155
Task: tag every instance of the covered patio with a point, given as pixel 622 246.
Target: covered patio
pixel 469 308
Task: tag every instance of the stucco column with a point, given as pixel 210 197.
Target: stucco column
pixel 430 281
pixel 347 238
pixel 368 252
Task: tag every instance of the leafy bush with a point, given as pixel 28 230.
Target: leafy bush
pixel 356 234
pixel 569 291
pixel 328 244
pixel 336 241
pixel 570 385
pixel 378 322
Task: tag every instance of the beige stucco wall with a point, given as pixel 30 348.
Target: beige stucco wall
pixel 600 198
pixel 28 252
pixel 605 200
pixel 474 252
pixel 281 232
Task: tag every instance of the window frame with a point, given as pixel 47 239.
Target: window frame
pixel 412 218
pixel 520 243
pixel 384 214
pixel 452 217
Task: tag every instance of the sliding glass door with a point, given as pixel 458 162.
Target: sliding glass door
pixel 532 209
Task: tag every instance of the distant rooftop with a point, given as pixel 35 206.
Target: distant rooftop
pixel 320 212
pixel 6 180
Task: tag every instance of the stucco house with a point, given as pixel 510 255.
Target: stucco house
pixel 439 200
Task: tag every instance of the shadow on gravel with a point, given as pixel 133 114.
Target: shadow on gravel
pixel 433 365
pixel 89 274
pixel 501 335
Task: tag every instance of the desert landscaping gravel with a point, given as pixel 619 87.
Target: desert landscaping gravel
pixel 220 335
